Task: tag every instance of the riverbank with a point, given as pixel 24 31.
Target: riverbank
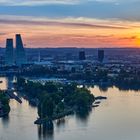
pixel 102 122
pixel 4 105
pixel 56 100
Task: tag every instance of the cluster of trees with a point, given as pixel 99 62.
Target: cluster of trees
pixel 57 99
pixel 90 75
pixel 4 101
pixel 36 70
pixel 85 74
pixel 127 81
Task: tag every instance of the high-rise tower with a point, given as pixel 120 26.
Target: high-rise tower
pixel 9 53
pixel 100 55
pixel 20 56
pixel 82 55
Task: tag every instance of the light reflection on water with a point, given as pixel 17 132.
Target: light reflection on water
pixel 117 118
pixel 3 83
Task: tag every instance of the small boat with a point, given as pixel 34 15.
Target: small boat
pixel 97 103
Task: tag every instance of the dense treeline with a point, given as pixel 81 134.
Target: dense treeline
pixel 4 104
pixel 56 99
pixel 124 78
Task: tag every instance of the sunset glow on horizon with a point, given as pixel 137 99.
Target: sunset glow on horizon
pixel 61 27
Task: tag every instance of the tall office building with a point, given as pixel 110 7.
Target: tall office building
pixel 82 55
pixel 20 56
pixel 9 53
pixel 69 56
pixel 100 55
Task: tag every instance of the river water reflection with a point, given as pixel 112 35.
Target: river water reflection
pixel 117 118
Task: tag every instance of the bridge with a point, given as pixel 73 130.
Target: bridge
pixel 12 95
pixel 43 81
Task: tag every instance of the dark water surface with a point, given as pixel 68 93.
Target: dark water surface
pixel 117 118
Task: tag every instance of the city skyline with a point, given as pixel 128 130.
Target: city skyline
pixel 69 69
pixel 72 23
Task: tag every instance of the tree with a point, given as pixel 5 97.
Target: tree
pixel 51 87
pixel 5 103
pixel 46 107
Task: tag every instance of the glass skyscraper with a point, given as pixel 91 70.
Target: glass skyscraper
pixel 100 55
pixel 82 55
pixel 20 56
pixel 9 53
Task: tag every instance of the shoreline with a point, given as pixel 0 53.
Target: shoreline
pixel 95 104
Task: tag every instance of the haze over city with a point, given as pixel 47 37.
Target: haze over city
pixel 71 23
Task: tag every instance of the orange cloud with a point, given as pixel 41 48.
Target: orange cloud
pixel 72 33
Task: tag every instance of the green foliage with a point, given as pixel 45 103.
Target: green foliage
pixel 59 108
pixel 56 98
pixel 80 99
pixel 46 107
pixel 33 89
pixel 51 87
pixel 5 103
pixel 20 82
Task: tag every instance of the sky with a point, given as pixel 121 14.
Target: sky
pixel 71 23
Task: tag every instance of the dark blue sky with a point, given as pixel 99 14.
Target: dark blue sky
pixel 120 9
pixel 72 23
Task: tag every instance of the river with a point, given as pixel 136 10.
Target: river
pixel 117 118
